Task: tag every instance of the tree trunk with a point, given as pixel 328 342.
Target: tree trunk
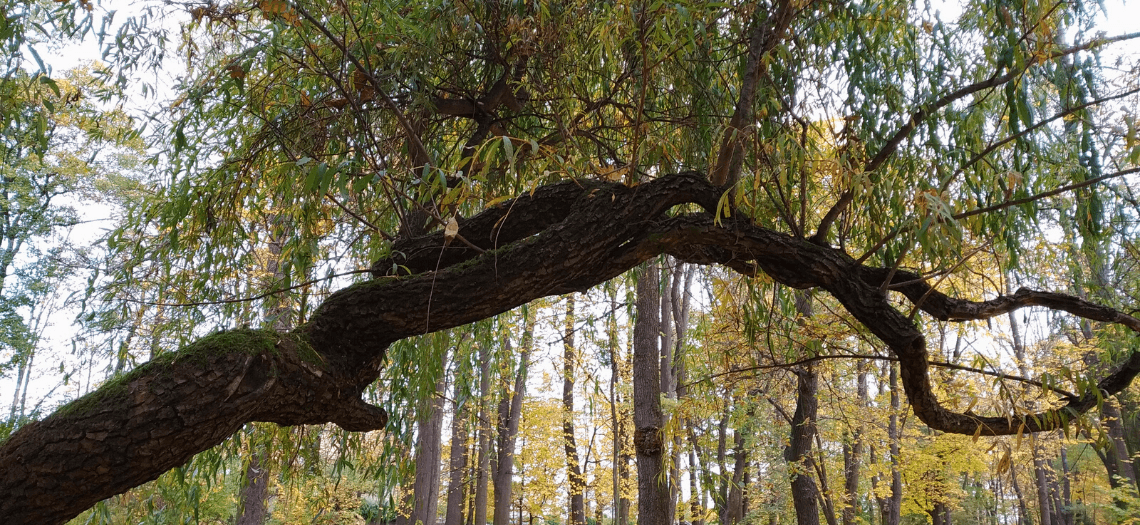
pixel 255 490
pixel 1044 499
pixel 668 388
pixel 1066 494
pixel 426 486
pixel 679 301
pixel 801 464
pixel 735 512
pixel 1022 508
pixel 720 496
pixel 940 514
pixel 510 412
pixel 894 509
pixel 1114 427
pixel 618 417
pixel 805 495
pixel 278 315
pixel 880 502
pixel 852 456
pixel 457 462
pixel 890 507
pixel 652 487
pixel 483 468
pixel 577 510
pixel 696 494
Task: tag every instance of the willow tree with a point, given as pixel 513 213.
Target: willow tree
pixel 477 156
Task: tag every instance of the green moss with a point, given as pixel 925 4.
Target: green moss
pixel 200 352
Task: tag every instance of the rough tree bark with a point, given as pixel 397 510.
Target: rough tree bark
pixel 577 510
pixel 892 514
pixel 457 460
pixel 652 487
pixel 805 495
pixel 425 488
pixel 853 455
pixel 558 239
pixel 483 455
pixel 510 412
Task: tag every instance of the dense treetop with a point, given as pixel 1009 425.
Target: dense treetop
pixel 459 159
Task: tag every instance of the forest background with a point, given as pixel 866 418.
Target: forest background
pixel 227 166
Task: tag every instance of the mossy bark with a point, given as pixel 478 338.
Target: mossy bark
pixel 582 234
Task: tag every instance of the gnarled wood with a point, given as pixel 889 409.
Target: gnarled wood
pixel 562 238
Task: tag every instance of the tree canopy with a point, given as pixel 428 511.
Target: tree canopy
pixel 461 159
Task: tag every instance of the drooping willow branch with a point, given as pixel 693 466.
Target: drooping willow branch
pixel 160 414
pixel 875 357
pixel 748 249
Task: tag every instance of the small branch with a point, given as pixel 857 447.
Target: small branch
pixel 1001 206
pixel 940 364
pixel 247 299
pixel 922 113
pixel 359 218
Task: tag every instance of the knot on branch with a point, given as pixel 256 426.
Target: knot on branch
pixel 578 205
pixel 648 441
pixel 358 416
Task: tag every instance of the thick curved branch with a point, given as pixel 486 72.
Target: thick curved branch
pixel 946 308
pixel 156 417
pixel 165 411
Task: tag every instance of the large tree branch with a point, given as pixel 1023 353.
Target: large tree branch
pixel 763 38
pixel 159 415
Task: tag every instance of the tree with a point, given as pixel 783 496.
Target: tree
pixel 535 149
pixel 576 513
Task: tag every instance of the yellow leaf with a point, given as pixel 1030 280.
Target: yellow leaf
pixel 1004 463
pixel 451 230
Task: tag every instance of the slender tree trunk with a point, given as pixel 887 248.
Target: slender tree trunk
pixel 696 494
pixel 1114 425
pixel 890 507
pixel 483 472
pixel 679 302
pixel 577 510
pixel 880 502
pixel 805 495
pixel 720 497
pixel 618 416
pixel 1066 491
pixel 852 456
pixel 1022 508
pixel 426 486
pixel 278 315
pixel 457 462
pixel 1041 481
pixel 894 510
pixel 735 513
pixel 1044 500
pixel 510 412
pixel 652 488
pixel 668 388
